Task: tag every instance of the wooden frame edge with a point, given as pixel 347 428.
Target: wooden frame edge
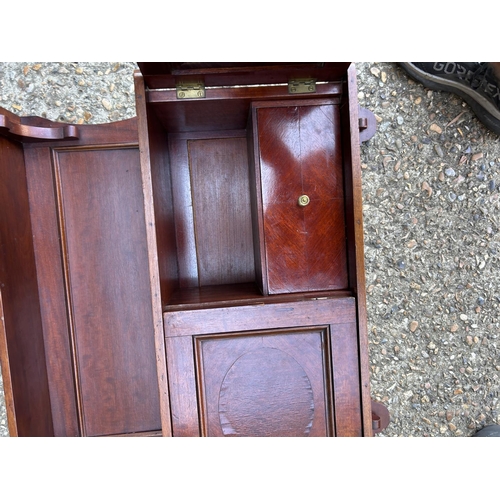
pixel 352 89
pixel 154 273
pixel 7 382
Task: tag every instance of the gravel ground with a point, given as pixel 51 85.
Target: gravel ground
pixel 431 178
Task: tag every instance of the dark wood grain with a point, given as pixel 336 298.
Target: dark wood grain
pixel 7 376
pixel 52 290
pixel 221 204
pixel 247 369
pixel 113 334
pixel 263 384
pixel 18 280
pixel 34 129
pixel 182 387
pixel 262 316
pixel 299 153
pixel 222 108
pixel 346 389
pixel 179 285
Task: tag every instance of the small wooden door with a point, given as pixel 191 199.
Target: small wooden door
pixel 265 370
pixel 300 207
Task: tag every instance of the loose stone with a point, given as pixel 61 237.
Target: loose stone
pixel 426 187
pixel 436 128
pixel 106 104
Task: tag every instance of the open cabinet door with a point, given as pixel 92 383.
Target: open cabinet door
pixel 78 349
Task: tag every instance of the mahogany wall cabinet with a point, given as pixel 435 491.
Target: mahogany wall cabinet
pixel 195 271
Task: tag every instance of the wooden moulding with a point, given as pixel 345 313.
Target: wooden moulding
pixel 34 128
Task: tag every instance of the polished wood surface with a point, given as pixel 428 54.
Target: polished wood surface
pixel 212 200
pixel 354 228
pixel 33 129
pixel 267 383
pixel 111 330
pixel 222 108
pixel 164 75
pixel 7 376
pixel 159 276
pixel 249 362
pixel 81 211
pixel 302 248
pixel 24 342
pixel 221 204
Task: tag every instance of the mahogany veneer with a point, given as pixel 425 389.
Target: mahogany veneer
pixel 160 275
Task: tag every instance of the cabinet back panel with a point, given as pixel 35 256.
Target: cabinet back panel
pixel 213 222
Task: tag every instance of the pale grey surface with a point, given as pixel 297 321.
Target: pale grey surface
pixel 432 234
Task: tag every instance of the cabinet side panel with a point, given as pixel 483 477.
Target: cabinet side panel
pixel 106 260
pixel 24 337
pixel 163 207
pixel 354 230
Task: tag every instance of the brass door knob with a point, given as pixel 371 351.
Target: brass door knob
pixel 304 200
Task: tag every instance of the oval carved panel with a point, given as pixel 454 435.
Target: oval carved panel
pixel 266 393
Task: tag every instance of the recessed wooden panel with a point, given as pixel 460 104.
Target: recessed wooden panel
pixel 103 232
pixel 221 210
pixel 267 384
pixel 298 153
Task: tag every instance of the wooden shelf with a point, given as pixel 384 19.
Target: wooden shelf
pixel 238 295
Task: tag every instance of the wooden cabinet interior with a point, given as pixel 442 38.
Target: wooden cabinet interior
pixel 234 243
pixel 197 271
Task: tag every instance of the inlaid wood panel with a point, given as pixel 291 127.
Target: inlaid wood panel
pixel 268 384
pixel 303 248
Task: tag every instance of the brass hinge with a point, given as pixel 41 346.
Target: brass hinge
pixel 302 86
pixel 190 90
